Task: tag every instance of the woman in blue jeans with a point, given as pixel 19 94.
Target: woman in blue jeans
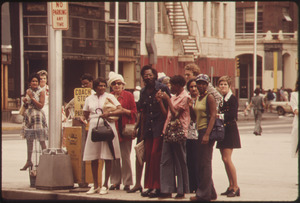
pixel 205 103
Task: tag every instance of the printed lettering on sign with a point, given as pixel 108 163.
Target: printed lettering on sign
pixel 60 15
pixel 80 94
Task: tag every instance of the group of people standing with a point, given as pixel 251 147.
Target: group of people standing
pixel 195 105
pixel 191 99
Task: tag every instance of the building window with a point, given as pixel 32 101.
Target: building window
pixel 128 11
pixel 286 20
pixel 224 20
pixel 136 11
pixel 215 19
pixel 161 18
pixel 245 20
pixel 37 30
pixel 123 10
pixel 204 18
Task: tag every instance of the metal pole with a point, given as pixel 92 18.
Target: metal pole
pixel 116 37
pixel 55 83
pixel 55 168
pixel 254 50
pixel 22 76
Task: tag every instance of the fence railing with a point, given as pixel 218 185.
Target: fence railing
pixel 267 36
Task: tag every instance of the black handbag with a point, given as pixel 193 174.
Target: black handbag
pixel 218 131
pixel 102 133
pixel 174 132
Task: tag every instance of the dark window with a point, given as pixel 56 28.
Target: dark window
pixel 123 13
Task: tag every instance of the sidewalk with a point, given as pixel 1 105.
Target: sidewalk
pixel 265 169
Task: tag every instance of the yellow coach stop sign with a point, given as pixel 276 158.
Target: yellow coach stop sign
pixel 80 94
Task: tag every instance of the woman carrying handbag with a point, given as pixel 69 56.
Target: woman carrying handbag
pixel 94 151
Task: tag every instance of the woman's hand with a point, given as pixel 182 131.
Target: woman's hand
pixel 29 93
pixel 83 120
pixel 190 102
pixel 205 139
pixel 158 96
pixel 105 115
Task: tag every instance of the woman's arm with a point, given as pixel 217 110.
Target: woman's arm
pixel 38 104
pixel 159 97
pixel 211 104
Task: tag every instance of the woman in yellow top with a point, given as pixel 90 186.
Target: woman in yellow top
pixel 204 112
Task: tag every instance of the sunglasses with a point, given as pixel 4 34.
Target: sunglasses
pixel 116 83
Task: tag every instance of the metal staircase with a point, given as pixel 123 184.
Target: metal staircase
pixel 180 27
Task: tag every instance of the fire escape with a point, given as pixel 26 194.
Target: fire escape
pixel 180 27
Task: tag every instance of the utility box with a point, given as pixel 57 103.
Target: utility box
pixel 75 143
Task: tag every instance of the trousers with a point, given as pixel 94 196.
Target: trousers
pixel 153 148
pixel 205 185
pixel 173 162
pixel 257 118
pixel 121 169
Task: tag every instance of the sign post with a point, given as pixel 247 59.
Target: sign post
pixel 54 170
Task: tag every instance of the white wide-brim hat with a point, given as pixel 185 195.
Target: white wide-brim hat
pixel 112 76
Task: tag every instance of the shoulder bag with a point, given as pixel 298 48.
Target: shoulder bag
pixel 218 131
pixel 174 132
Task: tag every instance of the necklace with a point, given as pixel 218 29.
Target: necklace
pixel 202 94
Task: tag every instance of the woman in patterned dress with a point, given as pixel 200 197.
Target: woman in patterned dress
pixel 34 124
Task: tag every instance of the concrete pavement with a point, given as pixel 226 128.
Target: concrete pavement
pixel 265 170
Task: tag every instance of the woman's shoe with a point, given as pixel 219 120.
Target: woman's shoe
pixel 154 193
pixel 226 192
pixel 103 191
pixel 126 187
pixel 114 187
pixel 27 165
pixel 234 193
pixel 179 196
pixel 93 191
pixel 133 190
pixel 146 193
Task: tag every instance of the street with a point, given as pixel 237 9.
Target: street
pixel 265 169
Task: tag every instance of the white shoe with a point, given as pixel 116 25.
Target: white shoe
pixel 92 190
pixel 103 191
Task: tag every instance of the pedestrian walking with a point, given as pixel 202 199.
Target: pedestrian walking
pixel 205 107
pixel 93 151
pixel 258 108
pixel 232 137
pixel 34 123
pixel 269 98
pixel 295 133
pixel 153 119
pixel 121 169
pixel 173 158
pixel 192 137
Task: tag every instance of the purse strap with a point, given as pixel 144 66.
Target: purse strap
pixel 104 120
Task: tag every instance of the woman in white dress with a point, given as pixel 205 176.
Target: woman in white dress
pixel 294 105
pixel 94 151
pixel 43 84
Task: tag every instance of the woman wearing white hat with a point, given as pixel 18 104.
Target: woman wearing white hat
pixel 126 99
